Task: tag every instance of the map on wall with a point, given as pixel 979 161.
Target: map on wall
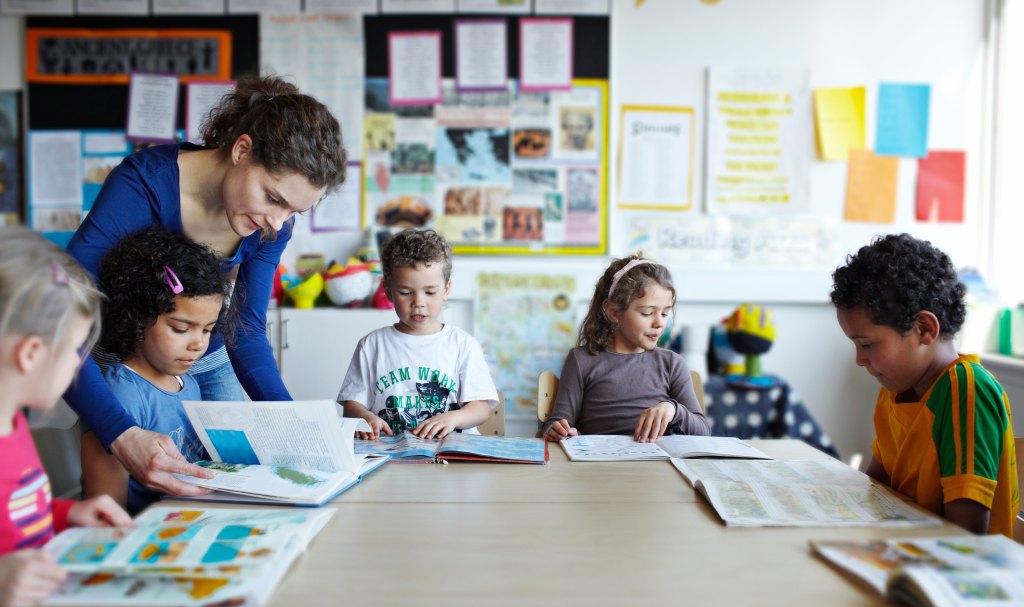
pixel 494 172
pixel 526 324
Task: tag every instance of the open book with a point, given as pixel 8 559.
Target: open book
pixel 182 556
pixel 297 453
pixel 798 493
pixel 613 448
pixel 456 446
pixel 942 571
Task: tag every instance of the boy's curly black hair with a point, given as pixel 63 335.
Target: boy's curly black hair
pixel 896 277
pixel 132 277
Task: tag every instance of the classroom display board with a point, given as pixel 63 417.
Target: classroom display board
pixel 494 172
pixel 72 146
pixel 809 141
pixel 494 167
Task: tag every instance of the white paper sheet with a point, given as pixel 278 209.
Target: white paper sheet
pixel 152 107
pixel 545 54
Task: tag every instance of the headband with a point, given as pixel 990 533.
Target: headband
pixel 629 266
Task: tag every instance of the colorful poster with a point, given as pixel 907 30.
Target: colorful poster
pixel 545 54
pixel 871 187
pixel 940 186
pixel 481 60
pixel 82 56
pixel 307 48
pixel 759 141
pixel 902 128
pixel 656 158
pixel 526 324
pixel 839 121
pixel 414 67
pixel 493 171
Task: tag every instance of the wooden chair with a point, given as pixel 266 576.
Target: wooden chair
pixel 495 424
pixel 547 387
pixel 1018 525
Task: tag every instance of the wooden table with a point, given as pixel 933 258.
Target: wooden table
pixel 569 533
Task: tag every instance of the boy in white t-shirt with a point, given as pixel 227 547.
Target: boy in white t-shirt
pixel 419 374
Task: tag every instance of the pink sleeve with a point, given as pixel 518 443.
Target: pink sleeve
pixel 60 509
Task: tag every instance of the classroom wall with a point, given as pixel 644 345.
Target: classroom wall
pixel 659 53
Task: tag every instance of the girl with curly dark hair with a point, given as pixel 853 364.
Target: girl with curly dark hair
pixel 617 380
pixel 268 152
pixel 165 298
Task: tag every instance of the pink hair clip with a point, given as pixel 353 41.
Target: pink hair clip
pixel 172 281
pixel 60 275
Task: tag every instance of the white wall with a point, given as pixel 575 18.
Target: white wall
pixel 659 53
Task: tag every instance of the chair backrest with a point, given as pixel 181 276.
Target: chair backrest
pixel 495 424
pixel 547 387
pixel 698 389
pixel 1018 525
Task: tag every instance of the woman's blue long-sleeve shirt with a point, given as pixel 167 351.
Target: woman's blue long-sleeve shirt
pixel 144 191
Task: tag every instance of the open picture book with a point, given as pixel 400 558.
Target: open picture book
pixel 613 448
pixel 798 493
pixel 298 453
pixel 961 570
pixel 183 556
pixel 457 446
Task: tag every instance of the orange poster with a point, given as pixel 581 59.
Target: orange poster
pixel 940 186
pixel 96 56
pixel 871 187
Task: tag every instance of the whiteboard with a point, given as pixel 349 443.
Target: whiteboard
pixel 660 54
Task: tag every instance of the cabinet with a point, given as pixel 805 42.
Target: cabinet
pixel 314 347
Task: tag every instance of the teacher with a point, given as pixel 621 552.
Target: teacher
pixel 269 152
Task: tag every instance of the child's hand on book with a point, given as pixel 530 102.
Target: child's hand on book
pixel 100 511
pixel 27 577
pixel 377 425
pixel 438 426
pixel 653 422
pixel 558 430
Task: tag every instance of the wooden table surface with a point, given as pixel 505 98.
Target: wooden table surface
pixel 568 533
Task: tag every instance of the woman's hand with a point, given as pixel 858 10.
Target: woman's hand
pixel 152 459
pixel 653 422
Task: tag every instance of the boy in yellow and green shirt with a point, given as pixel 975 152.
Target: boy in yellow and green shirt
pixel 943 431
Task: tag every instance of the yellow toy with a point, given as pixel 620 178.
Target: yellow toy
pixel 305 293
pixel 751 331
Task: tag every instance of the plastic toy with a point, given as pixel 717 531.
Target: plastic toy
pixel 305 292
pixel 751 332
pixel 349 286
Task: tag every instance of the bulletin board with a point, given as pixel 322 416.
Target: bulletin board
pixel 495 172
pixel 77 75
pixel 663 51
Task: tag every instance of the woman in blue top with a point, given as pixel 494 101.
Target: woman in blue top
pixel 270 152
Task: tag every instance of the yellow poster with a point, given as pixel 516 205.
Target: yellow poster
pixel 839 121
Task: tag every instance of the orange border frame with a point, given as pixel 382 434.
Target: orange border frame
pixel 32 36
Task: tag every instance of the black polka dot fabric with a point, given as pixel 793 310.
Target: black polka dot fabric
pixel 772 411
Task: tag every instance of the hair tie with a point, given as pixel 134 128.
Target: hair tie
pixel 172 281
pixel 622 272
